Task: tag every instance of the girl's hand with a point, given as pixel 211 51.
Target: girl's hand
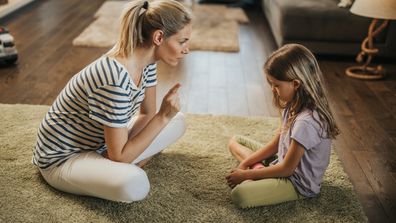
pixel 170 105
pixel 242 166
pixel 236 177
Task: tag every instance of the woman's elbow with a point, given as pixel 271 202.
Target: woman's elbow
pixel 148 114
pixel 116 157
pixel 151 115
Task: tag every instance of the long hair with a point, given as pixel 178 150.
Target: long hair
pixel 296 62
pixel 141 18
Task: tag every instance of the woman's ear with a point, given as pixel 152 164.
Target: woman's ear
pixel 158 37
pixel 296 84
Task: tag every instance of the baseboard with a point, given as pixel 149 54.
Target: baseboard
pixel 11 6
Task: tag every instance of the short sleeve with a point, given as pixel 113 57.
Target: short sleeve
pixel 306 134
pixel 110 106
pixel 151 75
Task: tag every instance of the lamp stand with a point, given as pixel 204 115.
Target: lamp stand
pixel 365 71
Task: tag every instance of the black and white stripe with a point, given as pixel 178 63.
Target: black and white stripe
pixel 101 94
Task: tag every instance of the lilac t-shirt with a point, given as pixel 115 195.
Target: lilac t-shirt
pixel 306 130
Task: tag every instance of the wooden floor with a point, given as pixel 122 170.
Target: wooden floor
pixel 217 83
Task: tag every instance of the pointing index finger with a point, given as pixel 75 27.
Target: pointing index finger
pixel 174 88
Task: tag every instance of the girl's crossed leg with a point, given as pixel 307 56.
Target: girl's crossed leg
pixel 260 192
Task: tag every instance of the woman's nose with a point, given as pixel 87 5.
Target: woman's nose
pixel 186 50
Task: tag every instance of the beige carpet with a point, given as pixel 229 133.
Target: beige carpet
pixel 215 27
pixel 187 180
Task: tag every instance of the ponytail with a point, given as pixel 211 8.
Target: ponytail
pixel 141 18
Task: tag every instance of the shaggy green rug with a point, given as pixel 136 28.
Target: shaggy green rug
pixel 187 180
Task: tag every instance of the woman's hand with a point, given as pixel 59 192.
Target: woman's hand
pixel 236 177
pixel 170 105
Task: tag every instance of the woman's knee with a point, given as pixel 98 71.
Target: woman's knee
pixel 134 186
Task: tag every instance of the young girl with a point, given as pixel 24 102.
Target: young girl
pixel 300 149
pixel 93 111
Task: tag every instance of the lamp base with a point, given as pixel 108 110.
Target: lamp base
pixel 366 72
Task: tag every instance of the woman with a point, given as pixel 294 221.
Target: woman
pixel 85 143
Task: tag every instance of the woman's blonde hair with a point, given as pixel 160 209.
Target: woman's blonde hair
pixel 295 62
pixel 141 18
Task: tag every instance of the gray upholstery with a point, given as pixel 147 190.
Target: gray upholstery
pixel 323 27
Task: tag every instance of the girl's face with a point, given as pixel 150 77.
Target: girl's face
pixel 286 90
pixel 175 47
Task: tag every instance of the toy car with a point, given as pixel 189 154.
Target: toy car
pixel 8 52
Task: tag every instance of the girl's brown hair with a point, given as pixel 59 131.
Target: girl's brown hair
pixel 296 62
pixel 141 18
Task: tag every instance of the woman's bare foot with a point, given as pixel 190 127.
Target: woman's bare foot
pixel 142 163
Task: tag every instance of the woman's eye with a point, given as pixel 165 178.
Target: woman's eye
pixel 183 41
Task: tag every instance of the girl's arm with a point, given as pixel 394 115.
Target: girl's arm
pixel 147 111
pixel 283 169
pixel 267 151
pixel 120 148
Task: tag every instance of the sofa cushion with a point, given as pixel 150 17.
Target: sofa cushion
pixel 314 20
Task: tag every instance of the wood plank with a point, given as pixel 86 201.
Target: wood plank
pixel 217 95
pixel 236 88
pixel 34 41
pixel 75 59
pixel 360 133
pixel 199 84
pixel 367 196
pixel 382 181
pixel 43 23
pixel 253 77
pixel 50 51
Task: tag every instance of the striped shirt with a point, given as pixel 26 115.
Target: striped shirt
pixel 101 94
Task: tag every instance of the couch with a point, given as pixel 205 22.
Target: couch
pixel 324 27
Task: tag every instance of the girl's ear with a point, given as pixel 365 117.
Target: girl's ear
pixel 296 84
pixel 158 37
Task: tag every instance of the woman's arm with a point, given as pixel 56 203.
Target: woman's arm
pixel 147 111
pixel 267 151
pixel 283 169
pixel 120 148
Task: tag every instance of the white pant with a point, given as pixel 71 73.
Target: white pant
pixel 89 173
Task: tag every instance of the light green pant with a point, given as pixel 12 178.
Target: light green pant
pixel 262 192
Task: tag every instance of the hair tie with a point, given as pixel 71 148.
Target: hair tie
pixel 145 5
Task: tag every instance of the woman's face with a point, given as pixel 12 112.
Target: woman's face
pixel 175 47
pixel 284 89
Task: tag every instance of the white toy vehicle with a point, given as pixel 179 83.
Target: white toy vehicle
pixel 8 52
